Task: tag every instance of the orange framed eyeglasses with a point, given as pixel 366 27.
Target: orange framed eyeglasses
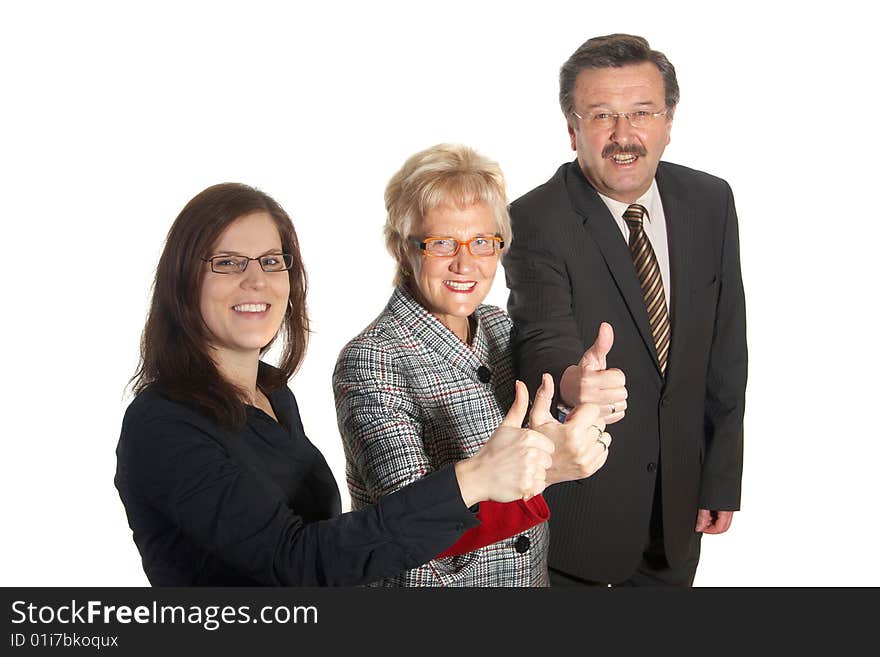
pixel 480 246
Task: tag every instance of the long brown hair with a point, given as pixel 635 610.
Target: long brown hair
pixel 175 354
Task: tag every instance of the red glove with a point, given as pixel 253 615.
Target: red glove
pixel 498 521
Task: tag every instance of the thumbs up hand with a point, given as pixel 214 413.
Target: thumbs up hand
pixel 590 382
pixel 580 445
pixel 512 464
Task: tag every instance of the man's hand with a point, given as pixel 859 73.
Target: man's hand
pixel 580 445
pixel 589 382
pixel 713 522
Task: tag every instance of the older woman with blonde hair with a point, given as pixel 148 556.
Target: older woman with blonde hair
pixel 429 381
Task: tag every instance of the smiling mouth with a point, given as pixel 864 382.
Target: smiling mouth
pixel 460 286
pixel 624 158
pixel 251 307
pixel 623 154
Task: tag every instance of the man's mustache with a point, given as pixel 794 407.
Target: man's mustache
pixel 614 149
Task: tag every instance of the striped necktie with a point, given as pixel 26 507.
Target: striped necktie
pixel 648 273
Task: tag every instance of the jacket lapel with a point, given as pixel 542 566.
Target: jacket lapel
pixel 433 335
pixel 680 222
pixel 600 225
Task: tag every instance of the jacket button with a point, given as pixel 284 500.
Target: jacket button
pixel 652 466
pixel 484 373
pixel 522 544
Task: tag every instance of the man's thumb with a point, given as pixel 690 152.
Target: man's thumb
pixel 594 357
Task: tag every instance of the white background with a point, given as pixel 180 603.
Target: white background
pixel 112 116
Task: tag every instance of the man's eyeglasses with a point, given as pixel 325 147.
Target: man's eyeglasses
pixel 236 264
pixel 607 120
pixel 444 247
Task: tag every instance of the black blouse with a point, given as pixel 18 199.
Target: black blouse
pixel 260 506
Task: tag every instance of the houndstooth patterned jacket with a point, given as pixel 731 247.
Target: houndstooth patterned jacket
pixel 411 398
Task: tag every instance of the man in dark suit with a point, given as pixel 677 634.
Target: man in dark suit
pixel 651 248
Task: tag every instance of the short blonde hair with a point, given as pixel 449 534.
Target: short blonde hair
pixel 440 175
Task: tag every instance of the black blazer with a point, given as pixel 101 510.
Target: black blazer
pixel 568 270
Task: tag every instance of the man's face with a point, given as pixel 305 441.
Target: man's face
pixel 619 160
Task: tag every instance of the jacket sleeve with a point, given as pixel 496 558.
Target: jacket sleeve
pixel 380 425
pixel 546 338
pixel 180 471
pixel 720 485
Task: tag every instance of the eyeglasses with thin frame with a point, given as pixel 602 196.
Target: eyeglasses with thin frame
pixel 607 120
pixel 443 247
pixel 236 264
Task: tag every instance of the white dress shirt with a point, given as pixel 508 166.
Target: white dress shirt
pixel 654 223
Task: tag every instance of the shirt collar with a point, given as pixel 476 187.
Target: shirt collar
pixel 650 200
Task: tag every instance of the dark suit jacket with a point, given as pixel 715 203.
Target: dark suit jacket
pixel 568 270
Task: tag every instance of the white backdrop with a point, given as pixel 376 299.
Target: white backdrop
pixel 113 115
